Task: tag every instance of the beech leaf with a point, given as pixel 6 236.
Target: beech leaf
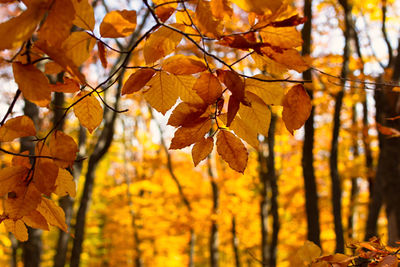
pixel 118 23
pixel 202 149
pixel 88 111
pixel 17 127
pixel 232 150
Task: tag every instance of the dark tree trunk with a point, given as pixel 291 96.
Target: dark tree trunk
pixel 235 243
pixel 31 249
pixel 263 174
pixel 214 240
pixel 310 186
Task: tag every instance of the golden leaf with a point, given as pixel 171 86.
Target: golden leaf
pixel 17 127
pixel 22 200
pixel 10 177
pixel 257 115
pixel 32 83
pixel 202 149
pixel 69 86
pixel 36 220
pixel 84 17
pixel 18 228
pixel 270 92
pixel 208 87
pixel 296 108
pixel 259 6
pixel 52 213
pixel 88 111
pixel 283 37
pixel 137 81
pixel 181 65
pixel 232 150
pixel 65 184
pixel 78 46
pixel 221 9
pixel 63 148
pixel 184 115
pixel 118 23
pixel 288 58
pixel 162 42
pixel 185 136
pixel 204 19
pixel 45 176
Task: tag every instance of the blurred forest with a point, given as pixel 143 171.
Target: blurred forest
pixel 335 181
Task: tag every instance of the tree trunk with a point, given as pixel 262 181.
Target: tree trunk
pixel 31 249
pixel 235 243
pixel 214 242
pixel 310 186
pixel 263 174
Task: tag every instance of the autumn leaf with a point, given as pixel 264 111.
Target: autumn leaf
pixel 63 148
pixel 65 184
pixel 88 110
pixel 284 37
pixel 10 177
pixel 78 46
pixel 233 108
pixel 22 200
pixel 185 115
pixel 202 149
pixel 84 17
pixel 17 127
pixel 36 220
pixel 181 65
pixel 164 12
pixel 221 9
pixel 68 86
pixel 392 132
pixel 162 42
pixel 296 108
pixel 18 228
pixel 270 92
pixel 118 23
pixel 389 261
pixel 232 150
pixel 185 136
pixel 257 115
pixel 102 54
pixel 53 214
pixel 233 82
pixel 208 87
pixel 137 81
pixel 245 131
pixel 288 58
pixel 45 175
pixel 259 6
pixel 33 84
pixel 308 252
pixel 204 19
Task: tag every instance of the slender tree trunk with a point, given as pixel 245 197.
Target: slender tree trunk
pixel 14 248
pixel 263 174
pixel 311 197
pixel 214 241
pixel 235 242
pixel 32 248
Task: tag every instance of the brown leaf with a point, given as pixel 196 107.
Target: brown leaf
pixel 232 150
pixel 202 149
pixel 233 82
pixel 208 87
pixel 102 54
pixel 233 108
pixel 69 86
pixel 63 148
pixel 137 81
pixel 18 228
pixel 296 108
pixel 185 115
pixel 36 220
pixel 54 214
pixel 10 177
pixel 185 136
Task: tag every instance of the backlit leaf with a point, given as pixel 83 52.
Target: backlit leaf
pixel 118 23
pixel 137 81
pixel 270 92
pixel 102 54
pixel 36 220
pixel 65 184
pixel 17 127
pixel 184 114
pixel 284 37
pixel 78 46
pixel 259 6
pixel 33 84
pixel 221 9
pixel 69 86
pixel 233 108
pixel 202 149
pixel 233 82
pixel 181 64
pixel 22 200
pixel 45 176
pixel 88 111
pixel 18 228
pixel 10 177
pixel 289 58
pixel 162 42
pixel 257 115
pixel 84 17
pixel 232 150
pixel 204 19
pixel 185 136
pixel 208 87
pixel 54 214
pixel 63 148
pixel 296 108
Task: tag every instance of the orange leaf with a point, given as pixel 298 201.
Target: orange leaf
pixel 36 220
pixel 296 108
pixel 389 261
pixel 233 108
pixel 185 136
pixel 233 82
pixel 137 81
pixel 88 111
pixel 10 177
pixel 33 84
pixel 17 127
pixel 63 148
pixel 118 23
pixel 21 200
pixel 45 176
pixel 221 9
pixel 18 228
pixel 181 65
pixel 164 12
pixel 52 213
pixel 232 150
pixel 392 132
pixel 202 149
pixel 69 86
pixel 204 19
pixel 102 54
pixel 84 17
pixel 208 87
pixel 184 115
pixel 65 184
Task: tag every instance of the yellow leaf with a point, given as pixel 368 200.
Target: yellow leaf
pixel 204 19
pixel 184 88
pixel 17 127
pixel 18 228
pixel 137 81
pixel 202 149
pixel 283 37
pixel 118 23
pixel 63 148
pixel 296 108
pixel 185 136
pixel 36 220
pixel 58 23
pixel 232 150
pixel 208 87
pixel 259 6
pixel 221 9
pixel 270 92
pixel 10 177
pixel 65 184
pixel 78 47
pixel 32 83
pixel 288 58
pixel 242 129
pixel 69 86
pixel 19 29
pixel 257 115
pixel 308 252
pixel 53 214
pixel 21 200
pixel 84 16
pixel 88 111
pixel 162 42
pixel 181 64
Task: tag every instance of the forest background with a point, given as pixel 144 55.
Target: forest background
pixel 248 75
